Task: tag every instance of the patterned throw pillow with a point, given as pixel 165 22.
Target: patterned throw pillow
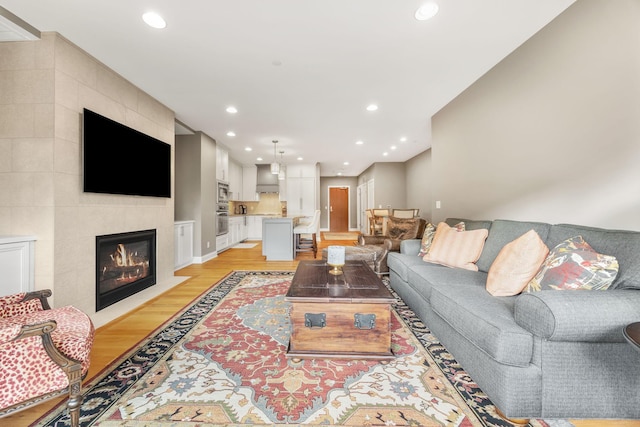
pixel 573 264
pixel 454 248
pixel 516 264
pixel 402 228
pixel 427 237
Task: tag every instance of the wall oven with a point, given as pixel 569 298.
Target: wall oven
pixel 222 219
pixel 223 192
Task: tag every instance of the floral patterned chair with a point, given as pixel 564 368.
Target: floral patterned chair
pixel 44 352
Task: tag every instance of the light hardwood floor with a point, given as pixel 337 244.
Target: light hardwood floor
pixel 125 332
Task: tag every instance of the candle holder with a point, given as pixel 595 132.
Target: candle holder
pixel 335 259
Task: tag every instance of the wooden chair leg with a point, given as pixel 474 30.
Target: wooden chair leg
pixel 315 245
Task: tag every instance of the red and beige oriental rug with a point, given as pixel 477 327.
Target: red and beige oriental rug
pixel 221 362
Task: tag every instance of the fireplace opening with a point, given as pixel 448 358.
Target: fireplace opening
pixel 125 265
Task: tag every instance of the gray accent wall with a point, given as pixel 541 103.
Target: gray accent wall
pixel 389 184
pixel 325 183
pixel 196 187
pixel 551 133
pixel 419 183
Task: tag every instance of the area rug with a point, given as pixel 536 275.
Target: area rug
pixel 244 245
pixel 221 362
pixel 351 235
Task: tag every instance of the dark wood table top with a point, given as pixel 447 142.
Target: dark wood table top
pixel 632 334
pixel 312 282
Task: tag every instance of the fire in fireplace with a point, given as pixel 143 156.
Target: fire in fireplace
pixel 125 265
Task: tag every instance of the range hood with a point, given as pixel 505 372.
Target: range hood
pixel 266 182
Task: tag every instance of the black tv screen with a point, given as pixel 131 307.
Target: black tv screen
pixel 121 160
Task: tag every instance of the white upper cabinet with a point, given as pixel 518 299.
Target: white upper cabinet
pixel 249 180
pixel 222 164
pixel 235 180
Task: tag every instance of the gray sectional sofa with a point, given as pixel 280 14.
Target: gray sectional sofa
pixel 546 354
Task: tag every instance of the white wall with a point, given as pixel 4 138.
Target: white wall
pixel 552 133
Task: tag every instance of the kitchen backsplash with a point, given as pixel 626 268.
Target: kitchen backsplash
pixel 269 204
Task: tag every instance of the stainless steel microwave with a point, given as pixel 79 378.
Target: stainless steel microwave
pixel 223 192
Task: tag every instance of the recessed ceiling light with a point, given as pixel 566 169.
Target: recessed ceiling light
pixel 359 142
pixel 403 139
pixel 385 154
pixel 154 20
pixel 393 147
pixel 231 133
pixel 232 110
pixel 427 11
pixel 248 149
pixel 346 163
pixel 300 158
pixel 372 107
pixel 259 159
pixel 339 174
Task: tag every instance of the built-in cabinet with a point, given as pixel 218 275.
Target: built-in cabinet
pixel 183 241
pixel 222 164
pixel 249 180
pixel 254 227
pixel 16 264
pixel 235 180
pixel 301 190
pixel 238 230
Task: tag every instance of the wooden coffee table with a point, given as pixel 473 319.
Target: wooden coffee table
pixel 343 316
pixel 632 334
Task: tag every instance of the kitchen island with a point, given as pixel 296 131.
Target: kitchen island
pixel 277 238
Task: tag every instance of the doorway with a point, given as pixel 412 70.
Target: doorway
pixel 338 209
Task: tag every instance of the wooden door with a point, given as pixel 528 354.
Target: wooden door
pixel 339 209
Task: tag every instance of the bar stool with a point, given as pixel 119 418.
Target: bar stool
pixel 304 244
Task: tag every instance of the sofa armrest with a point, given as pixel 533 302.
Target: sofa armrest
pixel 370 240
pixel 410 246
pixel 588 316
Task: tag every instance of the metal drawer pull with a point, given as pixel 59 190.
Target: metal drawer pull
pixel 315 320
pixel 364 321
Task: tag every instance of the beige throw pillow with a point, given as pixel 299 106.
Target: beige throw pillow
pixel 429 233
pixel 456 248
pixel 516 264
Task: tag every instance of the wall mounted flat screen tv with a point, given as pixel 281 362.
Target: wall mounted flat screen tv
pixel 119 160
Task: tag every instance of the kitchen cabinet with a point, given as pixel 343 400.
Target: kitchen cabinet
pixel 249 180
pixel 17 264
pixel 254 227
pixel 183 241
pixel 301 190
pixel 235 180
pixel 301 196
pixel 222 164
pixel 222 242
pixel 237 229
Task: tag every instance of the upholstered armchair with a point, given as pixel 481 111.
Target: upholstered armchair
pixel 44 352
pixel 398 229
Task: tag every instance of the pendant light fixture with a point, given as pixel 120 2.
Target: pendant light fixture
pixel 275 166
pixel 281 175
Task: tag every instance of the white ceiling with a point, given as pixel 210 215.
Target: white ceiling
pixel 300 71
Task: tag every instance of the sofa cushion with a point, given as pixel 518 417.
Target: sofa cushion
pixel 573 264
pixel 622 244
pixel 486 321
pixel 422 277
pixel 504 231
pixel 400 263
pixel 456 248
pixel 516 264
